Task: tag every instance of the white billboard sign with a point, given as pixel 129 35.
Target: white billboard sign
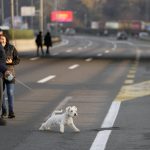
pixel 27 11
pixel 94 25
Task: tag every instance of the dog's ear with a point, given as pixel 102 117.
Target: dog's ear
pixel 68 108
pixel 74 107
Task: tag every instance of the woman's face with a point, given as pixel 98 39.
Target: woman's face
pixel 3 40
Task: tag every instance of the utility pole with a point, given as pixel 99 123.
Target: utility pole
pixel 41 15
pixel 56 24
pixel 12 18
pixel 17 8
pixel 2 11
pixel 32 16
pixel 12 14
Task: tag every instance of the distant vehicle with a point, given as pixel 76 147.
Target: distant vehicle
pixel 70 31
pixel 143 34
pixel 4 27
pixel 122 36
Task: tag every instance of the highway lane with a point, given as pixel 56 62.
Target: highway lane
pixel 80 76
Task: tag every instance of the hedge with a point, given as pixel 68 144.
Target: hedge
pixel 19 34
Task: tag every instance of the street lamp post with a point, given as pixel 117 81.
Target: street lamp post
pixel 12 18
pixel 56 24
pixel 17 8
pixel 41 15
pixel 12 14
pixel 2 11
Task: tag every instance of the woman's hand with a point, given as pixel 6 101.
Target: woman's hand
pixel 8 61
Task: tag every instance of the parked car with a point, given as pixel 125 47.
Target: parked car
pixel 70 31
pixel 143 34
pixel 122 36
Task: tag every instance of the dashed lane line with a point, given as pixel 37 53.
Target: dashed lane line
pixel 69 51
pixel 74 66
pixel 46 79
pixel 130 76
pixel 128 81
pixel 88 59
pixel 34 58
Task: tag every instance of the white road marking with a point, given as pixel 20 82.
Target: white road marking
pixel 34 58
pixel 100 54
pixel 63 43
pixel 74 66
pixel 69 50
pixel 128 81
pixel 113 43
pixel 46 79
pixel 106 51
pixel 80 48
pixel 89 59
pixel 102 136
pixel 90 43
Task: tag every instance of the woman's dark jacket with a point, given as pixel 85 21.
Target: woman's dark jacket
pixel 48 40
pixel 11 53
pixel 2 60
pixel 39 40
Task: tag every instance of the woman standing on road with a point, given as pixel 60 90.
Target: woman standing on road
pixel 12 59
pixel 39 43
pixel 48 42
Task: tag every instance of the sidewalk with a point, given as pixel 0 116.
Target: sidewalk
pixel 29 44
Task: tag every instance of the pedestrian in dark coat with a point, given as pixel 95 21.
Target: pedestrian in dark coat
pixel 48 42
pixel 39 43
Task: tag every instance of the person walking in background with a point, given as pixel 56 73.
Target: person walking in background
pixel 39 43
pixel 12 59
pixel 48 42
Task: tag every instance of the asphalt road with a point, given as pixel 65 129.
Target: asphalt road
pixel 107 80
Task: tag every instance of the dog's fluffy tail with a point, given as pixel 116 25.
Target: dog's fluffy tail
pixel 57 112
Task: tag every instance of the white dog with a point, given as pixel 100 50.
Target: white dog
pixel 63 119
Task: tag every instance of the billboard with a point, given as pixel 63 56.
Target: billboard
pixel 27 11
pixel 61 16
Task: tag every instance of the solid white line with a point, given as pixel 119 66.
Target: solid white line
pixel 46 79
pixel 101 140
pixel 111 115
pixel 103 136
pixel 74 66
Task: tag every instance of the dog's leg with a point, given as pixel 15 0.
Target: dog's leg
pixel 62 128
pixel 72 125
